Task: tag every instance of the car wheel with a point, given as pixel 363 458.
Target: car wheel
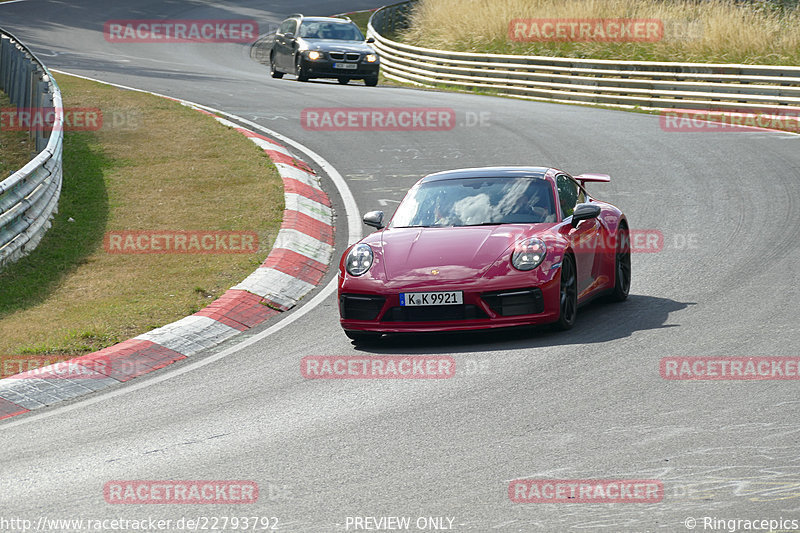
pixel 371 82
pixel 361 336
pixel 344 81
pixel 568 295
pixel 622 266
pixel 299 71
pixel 272 72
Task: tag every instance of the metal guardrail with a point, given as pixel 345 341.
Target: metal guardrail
pixel 642 84
pixel 29 196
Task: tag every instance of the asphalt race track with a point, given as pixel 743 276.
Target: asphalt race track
pixel 584 404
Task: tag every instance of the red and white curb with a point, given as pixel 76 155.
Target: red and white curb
pixel 299 258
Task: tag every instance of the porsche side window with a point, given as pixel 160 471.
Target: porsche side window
pixel 567 194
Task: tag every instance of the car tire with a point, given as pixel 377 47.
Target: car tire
pixel 371 82
pixel 622 266
pixel 361 337
pixel 567 295
pixel 272 72
pixel 343 81
pixel 299 71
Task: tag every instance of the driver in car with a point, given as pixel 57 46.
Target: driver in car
pixel 533 207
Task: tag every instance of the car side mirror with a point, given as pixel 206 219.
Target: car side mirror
pixel 374 219
pixel 370 40
pixel 585 212
pixel 289 35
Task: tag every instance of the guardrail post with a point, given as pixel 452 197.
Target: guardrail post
pixel 4 61
pixel 44 101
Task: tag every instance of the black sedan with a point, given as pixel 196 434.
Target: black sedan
pixel 323 47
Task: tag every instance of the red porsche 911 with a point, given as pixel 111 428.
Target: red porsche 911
pixel 485 248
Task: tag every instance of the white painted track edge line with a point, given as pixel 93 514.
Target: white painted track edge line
pixel 354 233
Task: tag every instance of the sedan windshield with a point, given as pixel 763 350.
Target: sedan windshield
pixel 477 202
pixel 330 30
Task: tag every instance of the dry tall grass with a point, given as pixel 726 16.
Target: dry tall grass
pixel 708 31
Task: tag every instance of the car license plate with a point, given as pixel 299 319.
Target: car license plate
pixel 346 66
pixel 415 299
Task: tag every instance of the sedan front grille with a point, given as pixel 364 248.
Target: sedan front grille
pixel 342 56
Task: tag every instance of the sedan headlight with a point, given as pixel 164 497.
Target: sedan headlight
pixel 359 260
pixel 313 55
pixel 371 58
pixel 528 254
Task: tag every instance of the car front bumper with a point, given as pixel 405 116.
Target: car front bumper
pixel 323 68
pixel 374 305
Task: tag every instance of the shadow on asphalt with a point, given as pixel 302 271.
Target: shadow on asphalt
pixel 599 321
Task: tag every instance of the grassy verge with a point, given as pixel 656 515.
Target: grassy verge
pixel 153 165
pixel 713 31
pixel 360 18
pixel 15 146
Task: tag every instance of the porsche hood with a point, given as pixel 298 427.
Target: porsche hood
pixel 454 252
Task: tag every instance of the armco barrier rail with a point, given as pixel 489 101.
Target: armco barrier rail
pixel 29 196
pixel 643 84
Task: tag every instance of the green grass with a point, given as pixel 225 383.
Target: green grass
pixel 153 165
pixel 16 148
pixel 67 244
pixel 360 18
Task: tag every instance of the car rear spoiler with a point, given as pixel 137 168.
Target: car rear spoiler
pixel 583 178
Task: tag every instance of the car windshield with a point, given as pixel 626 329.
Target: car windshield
pixel 477 202
pixel 339 31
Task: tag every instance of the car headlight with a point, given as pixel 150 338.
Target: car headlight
pixel 528 254
pixel 359 260
pixel 314 55
pixel 371 58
